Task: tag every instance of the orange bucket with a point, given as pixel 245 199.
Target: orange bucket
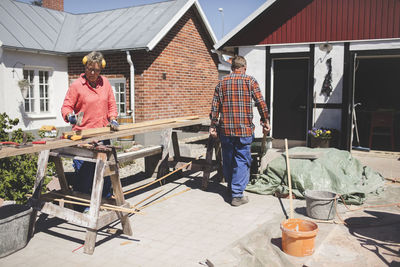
pixel 298 237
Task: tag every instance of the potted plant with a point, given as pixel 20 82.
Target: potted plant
pixel 320 137
pixel 24 86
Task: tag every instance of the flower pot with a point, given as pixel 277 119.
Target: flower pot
pixel 319 142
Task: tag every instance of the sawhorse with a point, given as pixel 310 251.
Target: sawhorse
pixel 106 165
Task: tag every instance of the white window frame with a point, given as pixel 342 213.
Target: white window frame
pixel 121 111
pixel 35 109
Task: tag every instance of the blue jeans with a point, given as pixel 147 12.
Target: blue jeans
pixel 236 162
pixel 84 172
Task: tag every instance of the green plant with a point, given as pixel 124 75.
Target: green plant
pixel 18 173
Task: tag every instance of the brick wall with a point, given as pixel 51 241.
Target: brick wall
pixel 54 4
pixel 177 78
pixel 190 69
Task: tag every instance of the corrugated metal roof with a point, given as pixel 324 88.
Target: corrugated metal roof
pixel 141 27
pixel 311 21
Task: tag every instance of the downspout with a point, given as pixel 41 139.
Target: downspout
pixel 132 85
pixel 221 58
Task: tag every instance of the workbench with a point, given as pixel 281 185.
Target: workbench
pixel 157 160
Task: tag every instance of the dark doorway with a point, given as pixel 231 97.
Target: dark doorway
pixel 377 90
pixel 290 99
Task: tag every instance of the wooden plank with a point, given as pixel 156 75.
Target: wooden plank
pixel 305 155
pixel 58 143
pixel 145 152
pixel 96 131
pixel 69 215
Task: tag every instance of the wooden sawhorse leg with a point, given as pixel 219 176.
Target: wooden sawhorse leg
pixel 95 202
pixel 41 171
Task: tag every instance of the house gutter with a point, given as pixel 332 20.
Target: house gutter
pixel 221 58
pixel 132 85
pixel 1 51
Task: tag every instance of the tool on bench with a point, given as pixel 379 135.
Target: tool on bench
pixel 76 118
pixel 73 137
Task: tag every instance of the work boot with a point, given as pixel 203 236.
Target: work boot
pixel 237 201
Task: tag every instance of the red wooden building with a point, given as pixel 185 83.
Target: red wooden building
pixel 317 59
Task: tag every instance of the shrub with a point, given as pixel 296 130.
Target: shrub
pixel 18 173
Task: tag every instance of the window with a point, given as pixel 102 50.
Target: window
pixel 119 89
pixel 37 100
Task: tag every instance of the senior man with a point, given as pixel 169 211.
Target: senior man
pixel 232 104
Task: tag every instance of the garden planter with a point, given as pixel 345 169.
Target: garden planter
pixel 319 142
pixel 14 227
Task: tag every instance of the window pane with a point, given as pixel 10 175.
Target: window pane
pixel 40 76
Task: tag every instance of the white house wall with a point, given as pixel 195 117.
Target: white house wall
pixel 11 97
pixel 255 57
pixel 328 118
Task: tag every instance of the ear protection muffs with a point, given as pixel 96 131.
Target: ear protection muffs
pixel 103 62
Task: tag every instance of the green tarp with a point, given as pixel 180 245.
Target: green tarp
pixel 334 170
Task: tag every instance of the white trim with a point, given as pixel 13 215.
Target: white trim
pixel 40 116
pixel 244 23
pixel 290 48
pixel 175 19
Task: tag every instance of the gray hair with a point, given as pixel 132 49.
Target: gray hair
pixel 94 57
pixel 238 62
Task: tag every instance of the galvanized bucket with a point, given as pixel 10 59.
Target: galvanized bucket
pixel 320 204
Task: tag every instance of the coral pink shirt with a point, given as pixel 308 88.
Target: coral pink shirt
pixel 98 104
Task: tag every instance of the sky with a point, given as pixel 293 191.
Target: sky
pixel 234 11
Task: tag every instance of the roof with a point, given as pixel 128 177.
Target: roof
pixel 27 27
pixel 316 21
pixel 244 23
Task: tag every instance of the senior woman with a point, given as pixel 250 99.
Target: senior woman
pixel 91 94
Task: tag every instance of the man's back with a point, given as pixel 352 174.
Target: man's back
pixel 233 102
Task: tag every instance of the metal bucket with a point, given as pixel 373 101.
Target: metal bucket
pixel 320 204
pixel 14 228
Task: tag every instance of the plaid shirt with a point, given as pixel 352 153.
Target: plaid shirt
pixel 232 101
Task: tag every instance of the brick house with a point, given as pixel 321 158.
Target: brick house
pixel 159 58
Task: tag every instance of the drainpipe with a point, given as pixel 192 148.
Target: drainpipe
pixel 132 85
pixel 221 58
pixel 1 51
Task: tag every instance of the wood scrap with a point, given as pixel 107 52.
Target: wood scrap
pixel 305 155
pixel 86 203
pixel 155 181
pixel 143 200
pixel 161 200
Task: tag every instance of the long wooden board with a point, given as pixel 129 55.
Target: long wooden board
pixel 95 131
pixel 58 143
